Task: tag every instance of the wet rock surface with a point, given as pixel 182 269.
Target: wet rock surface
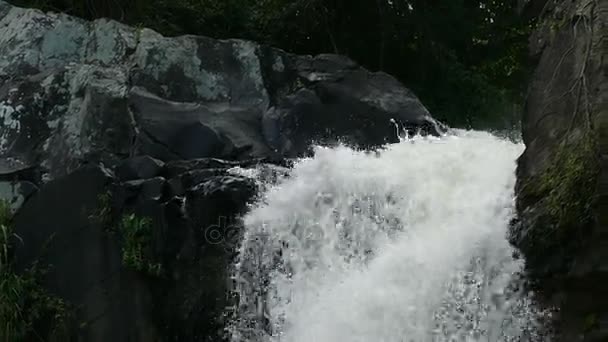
pixel 562 177
pixel 128 158
pixel 76 224
pixel 74 91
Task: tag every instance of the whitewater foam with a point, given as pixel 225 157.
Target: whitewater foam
pixel 405 244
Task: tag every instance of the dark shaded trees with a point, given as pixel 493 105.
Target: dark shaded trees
pixel 465 59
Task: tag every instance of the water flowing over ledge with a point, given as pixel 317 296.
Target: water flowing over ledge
pixel 406 244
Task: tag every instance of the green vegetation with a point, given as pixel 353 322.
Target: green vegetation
pixel 135 233
pixel 590 323
pixel 27 311
pixel 570 183
pixel 465 59
pixel 566 189
pixel 103 214
pixel 137 251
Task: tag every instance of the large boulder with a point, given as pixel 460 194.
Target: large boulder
pixel 141 167
pixel 562 176
pixel 73 91
pixel 18 183
pixel 84 261
pixel 74 226
pixel 129 157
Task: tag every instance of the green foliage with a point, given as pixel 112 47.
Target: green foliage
pixel 571 183
pixel 590 323
pixel 137 251
pixel 103 214
pixel 465 59
pixel 135 233
pixel 27 310
pixel 565 190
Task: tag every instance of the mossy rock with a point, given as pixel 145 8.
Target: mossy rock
pixel 558 202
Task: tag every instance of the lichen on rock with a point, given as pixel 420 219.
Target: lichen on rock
pixel 88 107
pixel 561 203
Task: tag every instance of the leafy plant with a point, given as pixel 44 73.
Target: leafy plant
pixel 135 232
pixel 27 310
pixel 137 252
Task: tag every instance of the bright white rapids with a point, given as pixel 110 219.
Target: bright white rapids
pixel 406 244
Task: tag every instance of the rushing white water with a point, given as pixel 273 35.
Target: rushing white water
pixel 407 244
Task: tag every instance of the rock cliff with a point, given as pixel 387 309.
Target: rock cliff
pixel 127 158
pixel 74 90
pixel 562 176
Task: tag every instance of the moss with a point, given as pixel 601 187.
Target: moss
pixel 27 310
pixel 563 195
pixel 590 323
pixel 103 214
pixel 569 183
pixel 137 251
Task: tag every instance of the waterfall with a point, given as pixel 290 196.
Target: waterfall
pixel 404 244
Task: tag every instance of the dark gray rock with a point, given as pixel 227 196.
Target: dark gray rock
pixel 18 182
pixel 173 118
pixel 212 207
pixel 142 167
pixel 562 200
pixel 194 234
pixel 74 91
pixel 196 239
pixel 175 187
pixel 84 262
pixel 146 189
pixel 173 131
pixel 179 167
pixel 16 192
pixel 355 108
pixel 192 179
pixel 220 196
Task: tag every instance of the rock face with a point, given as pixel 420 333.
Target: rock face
pixel 562 176
pixel 177 289
pixel 72 90
pixel 127 157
